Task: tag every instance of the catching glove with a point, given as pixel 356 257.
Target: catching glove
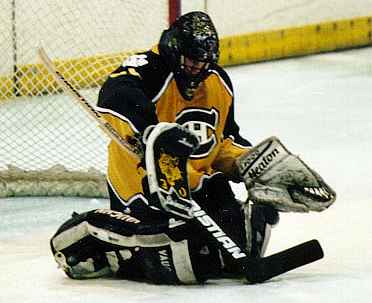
pixel 276 177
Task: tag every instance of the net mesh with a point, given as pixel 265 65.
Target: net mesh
pixel 40 126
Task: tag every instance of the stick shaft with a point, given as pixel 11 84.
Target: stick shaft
pixel 74 93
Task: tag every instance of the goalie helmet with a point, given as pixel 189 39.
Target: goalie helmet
pixel 193 36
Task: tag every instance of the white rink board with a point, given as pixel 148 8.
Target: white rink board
pixel 242 16
pixel 138 25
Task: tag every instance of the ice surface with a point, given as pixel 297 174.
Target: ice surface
pixel 321 108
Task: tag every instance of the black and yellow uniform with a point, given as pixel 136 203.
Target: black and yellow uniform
pixel 178 81
pixel 143 92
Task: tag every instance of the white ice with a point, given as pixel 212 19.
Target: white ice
pixel 321 108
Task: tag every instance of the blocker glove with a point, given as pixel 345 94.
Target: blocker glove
pixel 168 147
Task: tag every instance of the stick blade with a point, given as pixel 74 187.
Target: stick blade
pixel 260 270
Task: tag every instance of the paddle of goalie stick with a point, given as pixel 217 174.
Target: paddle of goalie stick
pixel 256 270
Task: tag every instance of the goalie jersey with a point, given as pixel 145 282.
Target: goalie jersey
pixel 143 92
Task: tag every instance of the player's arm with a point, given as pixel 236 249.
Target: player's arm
pixel 124 101
pixel 232 147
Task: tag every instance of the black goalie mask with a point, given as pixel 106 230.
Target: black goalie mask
pixel 191 37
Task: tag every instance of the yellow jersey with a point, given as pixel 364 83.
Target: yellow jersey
pixel 143 92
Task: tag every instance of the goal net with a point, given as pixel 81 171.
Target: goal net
pixel 47 143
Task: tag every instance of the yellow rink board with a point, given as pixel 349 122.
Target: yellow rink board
pixel 34 80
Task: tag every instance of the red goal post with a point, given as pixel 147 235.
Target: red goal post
pixel 174 10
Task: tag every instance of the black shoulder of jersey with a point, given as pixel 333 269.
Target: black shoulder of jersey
pixel 215 68
pixel 144 70
pixel 129 89
pixel 153 73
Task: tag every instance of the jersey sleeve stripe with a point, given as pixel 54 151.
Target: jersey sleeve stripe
pixel 163 88
pixel 242 143
pixel 119 116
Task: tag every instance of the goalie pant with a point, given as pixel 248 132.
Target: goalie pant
pixel 108 243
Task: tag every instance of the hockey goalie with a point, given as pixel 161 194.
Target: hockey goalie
pixel 173 217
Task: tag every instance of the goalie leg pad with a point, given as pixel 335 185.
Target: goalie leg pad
pixel 80 244
pixel 97 244
pixel 258 224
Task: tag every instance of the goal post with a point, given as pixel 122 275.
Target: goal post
pixel 48 145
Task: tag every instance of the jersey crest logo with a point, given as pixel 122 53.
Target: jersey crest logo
pixel 203 123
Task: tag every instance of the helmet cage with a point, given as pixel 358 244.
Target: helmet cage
pixel 187 82
pixel 193 36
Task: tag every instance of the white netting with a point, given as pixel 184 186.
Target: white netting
pixel 40 127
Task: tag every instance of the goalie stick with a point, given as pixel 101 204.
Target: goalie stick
pixel 255 270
